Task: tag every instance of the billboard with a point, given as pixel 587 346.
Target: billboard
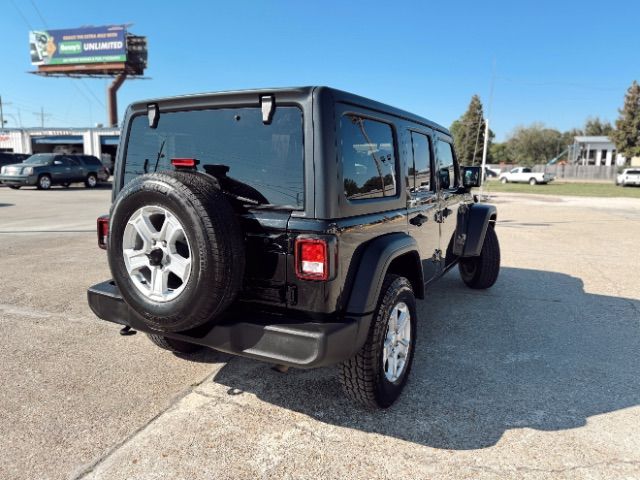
pixel 78 45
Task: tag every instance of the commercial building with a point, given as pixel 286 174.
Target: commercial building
pixel 594 150
pixel 101 142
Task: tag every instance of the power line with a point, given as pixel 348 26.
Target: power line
pixel 44 22
pixel 559 84
pixel 92 94
pixel 24 19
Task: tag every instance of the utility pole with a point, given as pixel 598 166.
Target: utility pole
pixel 42 116
pixel 2 113
pixel 486 129
pixel 484 152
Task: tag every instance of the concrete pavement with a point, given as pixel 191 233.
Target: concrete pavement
pixel 538 377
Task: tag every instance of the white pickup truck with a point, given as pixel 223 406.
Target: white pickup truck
pixel 629 176
pixel 525 175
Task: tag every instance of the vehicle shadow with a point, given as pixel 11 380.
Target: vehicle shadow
pixel 80 187
pixel 534 351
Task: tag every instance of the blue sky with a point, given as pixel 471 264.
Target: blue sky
pixel 556 62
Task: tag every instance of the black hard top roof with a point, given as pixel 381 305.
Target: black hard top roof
pixel 338 95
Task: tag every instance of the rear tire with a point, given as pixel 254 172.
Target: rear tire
pixel 91 181
pixel 482 272
pixel 533 181
pixel 173 345
pixel 367 378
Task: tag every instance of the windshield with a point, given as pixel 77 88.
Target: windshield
pixel 261 162
pixel 39 159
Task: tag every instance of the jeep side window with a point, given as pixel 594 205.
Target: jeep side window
pixel 420 171
pixel 526 170
pixel 447 171
pixel 368 158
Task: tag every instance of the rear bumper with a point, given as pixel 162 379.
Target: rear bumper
pixel 267 337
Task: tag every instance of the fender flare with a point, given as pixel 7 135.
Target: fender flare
pixel 373 266
pixel 472 227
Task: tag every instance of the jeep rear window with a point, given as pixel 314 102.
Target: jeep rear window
pixel 266 157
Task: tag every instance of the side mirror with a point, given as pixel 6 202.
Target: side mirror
pixel 471 176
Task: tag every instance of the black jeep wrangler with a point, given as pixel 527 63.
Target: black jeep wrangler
pixel 295 226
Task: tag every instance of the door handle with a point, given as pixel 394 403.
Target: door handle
pixel 418 220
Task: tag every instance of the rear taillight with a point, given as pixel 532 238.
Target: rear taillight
pixel 103 231
pixel 312 259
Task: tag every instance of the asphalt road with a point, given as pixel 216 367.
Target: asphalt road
pixel 538 377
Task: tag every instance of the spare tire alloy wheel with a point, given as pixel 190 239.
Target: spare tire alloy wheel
pixel 158 261
pixel 176 249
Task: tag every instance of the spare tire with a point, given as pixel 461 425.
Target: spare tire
pixel 176 249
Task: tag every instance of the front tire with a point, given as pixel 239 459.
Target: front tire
pixel 504 180
pixel 482 272
pixel 173 345
pixel 377 374
pixel 44 182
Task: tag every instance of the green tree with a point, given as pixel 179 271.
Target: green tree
pixel 499 153
pixel 626 136
pixel 596 127
pixel 468 133
pixel 534 144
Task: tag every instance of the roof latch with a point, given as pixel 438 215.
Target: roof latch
pixel 153 115
pixel 268 105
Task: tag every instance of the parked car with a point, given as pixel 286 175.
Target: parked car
pixel 43 170
pixel 525 175
pixel 490 172
pixel 229 230
pixel 629 176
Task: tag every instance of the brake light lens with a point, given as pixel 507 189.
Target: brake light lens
pixel 184 162
pixel 103 231
pixel 312 259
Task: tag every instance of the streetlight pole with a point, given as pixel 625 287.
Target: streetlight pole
pixel 484 155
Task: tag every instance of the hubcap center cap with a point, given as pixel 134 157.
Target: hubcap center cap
pixel 155 257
